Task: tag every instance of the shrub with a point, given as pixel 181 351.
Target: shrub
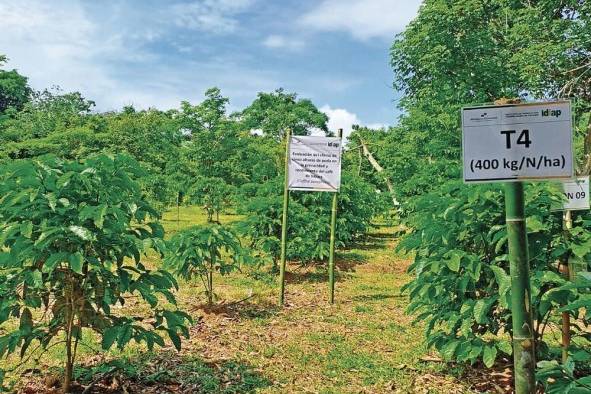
pixel 214 194
pixel 72 235
pixel 309 218
pixel 461 286
pixel 201 251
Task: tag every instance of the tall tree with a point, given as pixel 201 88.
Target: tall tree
pixel 14 90
pixel 274 113
pixel 460 52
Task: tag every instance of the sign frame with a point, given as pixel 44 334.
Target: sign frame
pixel 332 144
pixel 569 158
pixel 582 181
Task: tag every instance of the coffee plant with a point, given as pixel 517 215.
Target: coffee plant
pixel 213 194
pixel 309 218
pixel 72 237
pixel 201 251
pixel 461 287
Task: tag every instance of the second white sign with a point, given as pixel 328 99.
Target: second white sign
pixel 315 163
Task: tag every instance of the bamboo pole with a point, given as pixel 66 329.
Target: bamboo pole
pixel 333 225
pixel 284 221
pixel 523 341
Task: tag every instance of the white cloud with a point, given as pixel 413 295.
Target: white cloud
pixel 62 43
pixel 56 45
pixel 363 19
pixel 213 16
pixel 281 42
pixel 340 118
pixel 376 126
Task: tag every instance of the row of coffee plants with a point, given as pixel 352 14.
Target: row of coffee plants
pixel 74 236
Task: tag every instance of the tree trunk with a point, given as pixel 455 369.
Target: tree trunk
pixel 586 170
pixel 69 296
pixel 360 160
pixel 210 284
pixel 178 211
pixel 379 169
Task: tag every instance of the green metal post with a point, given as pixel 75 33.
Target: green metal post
pixel 284 221
pixel 333 225
pixel 523 340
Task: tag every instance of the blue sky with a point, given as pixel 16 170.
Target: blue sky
pixel 156 53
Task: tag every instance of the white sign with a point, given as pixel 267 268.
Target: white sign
pixel 315 163
pixel 517 142
pixel 577 194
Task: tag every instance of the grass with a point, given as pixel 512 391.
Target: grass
pixel 364 343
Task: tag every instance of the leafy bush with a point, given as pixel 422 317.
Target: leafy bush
pixel 71 237
pixel 309 218
pixel 200 251
pixel 560 378
pixel 214 194
pixel 461 288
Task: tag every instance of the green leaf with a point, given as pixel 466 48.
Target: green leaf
pixel 51 200
pixel 54 260
pixel 454 262
pixel 109 337
pixel 480 311
pixel 489 356
pixel 27 229
pixel 5 259
pixel 99 215
pixel 534 224
pixel 176 340
pixel 124 336
pixel 449 349
pixel 26 321
pixel 76 261
pixel 81 232
pixel 581 250
pixel 504 282
pixel 505 347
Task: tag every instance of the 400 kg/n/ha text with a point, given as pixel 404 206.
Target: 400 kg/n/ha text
pixel 528 163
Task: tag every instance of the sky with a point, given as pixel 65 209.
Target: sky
pixel 150 53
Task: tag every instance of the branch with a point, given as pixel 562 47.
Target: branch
pixel 379 169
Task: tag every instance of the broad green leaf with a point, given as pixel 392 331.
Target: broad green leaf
pixel 27 229
pixel 124 336
pixel 26 321
pixel 448 351
pixel 76 261
pixel 5 259
pixel 480 311
pixel 109 337
pixel 505 347
pixel 99 215
pixel 489 356
pixel 581 250
pixel 81 232
pixel 53 261
pixel 51 200
pixel 454 262
pixel 176 340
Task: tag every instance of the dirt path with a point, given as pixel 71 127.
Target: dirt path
pixel 362 344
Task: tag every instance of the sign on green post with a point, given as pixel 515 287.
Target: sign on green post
pixel 513 143
pixel 311 164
